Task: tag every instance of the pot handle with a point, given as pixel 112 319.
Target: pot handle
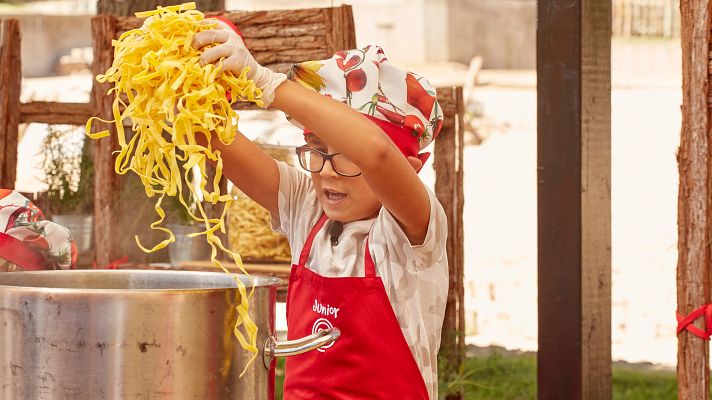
pixel 274 348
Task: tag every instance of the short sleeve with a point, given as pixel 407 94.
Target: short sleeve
pixel 389 233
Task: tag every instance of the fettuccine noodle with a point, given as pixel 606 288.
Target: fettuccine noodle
pixel 170 100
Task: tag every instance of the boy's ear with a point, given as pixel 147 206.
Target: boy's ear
pixel 416 163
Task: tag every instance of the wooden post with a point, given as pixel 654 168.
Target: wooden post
pixel 49 112
pixel 574 167
pixel 106 182
pixel 449 189
pixel 10 81
pixel 694 216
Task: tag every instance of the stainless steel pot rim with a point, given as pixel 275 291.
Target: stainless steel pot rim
pixel 129 281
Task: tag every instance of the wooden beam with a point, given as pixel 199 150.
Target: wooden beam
pixel 280 38
pixel 123 7
pixel 448 166
pixel 694 197
pixel 574 245
pixel 10 81
pixel 49 112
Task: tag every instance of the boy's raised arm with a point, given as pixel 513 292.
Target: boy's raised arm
pixel 392 177
pixel 245 164
pixel 252 170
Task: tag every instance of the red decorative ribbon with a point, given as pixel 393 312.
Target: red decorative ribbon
pixel 685 323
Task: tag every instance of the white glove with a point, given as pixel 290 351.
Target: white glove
pixel 236 58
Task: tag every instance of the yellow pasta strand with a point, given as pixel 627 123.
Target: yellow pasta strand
pixel 171 101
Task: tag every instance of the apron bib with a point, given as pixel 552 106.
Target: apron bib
pixel 370 360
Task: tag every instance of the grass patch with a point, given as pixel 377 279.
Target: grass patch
pixel 498 377
pixel 514 377
pixel 632 384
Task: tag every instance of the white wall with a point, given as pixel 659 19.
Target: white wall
pixel 503 32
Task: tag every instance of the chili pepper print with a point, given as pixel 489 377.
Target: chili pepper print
pixel 418 97
pixel 349 61
pixel 415 124
pixel 350 64
pixel 391 116
pixel 410 121
pixel 384 100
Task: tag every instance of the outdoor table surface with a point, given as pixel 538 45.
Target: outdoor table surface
pixel 278 270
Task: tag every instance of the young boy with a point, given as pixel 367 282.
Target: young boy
pixel 367 237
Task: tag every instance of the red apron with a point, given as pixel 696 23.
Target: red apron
pixel 371 359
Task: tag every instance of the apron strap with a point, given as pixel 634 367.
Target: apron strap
pixel 310 239
pixel 20 254
pixel 368 263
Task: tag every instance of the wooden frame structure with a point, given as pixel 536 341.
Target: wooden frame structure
pixel 574 203
pixel 13 113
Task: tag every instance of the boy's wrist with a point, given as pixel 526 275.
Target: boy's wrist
pixel 268 81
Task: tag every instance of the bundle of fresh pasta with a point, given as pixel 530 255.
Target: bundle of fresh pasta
pixel 175 106
pixel 250 232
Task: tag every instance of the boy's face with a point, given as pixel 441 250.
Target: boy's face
pixel 344 199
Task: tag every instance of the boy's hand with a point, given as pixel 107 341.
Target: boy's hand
pixel 236 58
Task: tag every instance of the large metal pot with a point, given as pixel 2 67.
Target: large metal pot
pixel 136 335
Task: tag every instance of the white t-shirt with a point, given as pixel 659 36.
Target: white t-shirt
pixel 415 277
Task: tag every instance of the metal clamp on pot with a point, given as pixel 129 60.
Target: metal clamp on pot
pixel 274 348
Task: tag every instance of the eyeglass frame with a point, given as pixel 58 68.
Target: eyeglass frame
pixel 324 158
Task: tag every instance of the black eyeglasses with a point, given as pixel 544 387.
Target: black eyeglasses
pixel 313 161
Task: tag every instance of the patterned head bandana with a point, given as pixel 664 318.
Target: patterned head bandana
pixel 401 103
pixel 30 241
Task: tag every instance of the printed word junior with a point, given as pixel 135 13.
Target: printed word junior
pixel 325 310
